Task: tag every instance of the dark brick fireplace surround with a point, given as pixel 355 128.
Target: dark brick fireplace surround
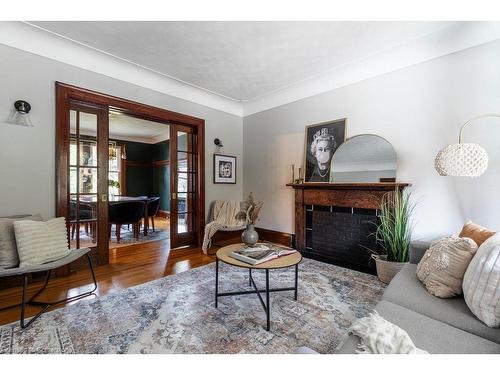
pixel 333 222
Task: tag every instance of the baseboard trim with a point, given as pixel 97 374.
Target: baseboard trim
pixel 282 238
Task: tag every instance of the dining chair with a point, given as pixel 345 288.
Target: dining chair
pixel 153 207
pixel 124 213
pixel 85 217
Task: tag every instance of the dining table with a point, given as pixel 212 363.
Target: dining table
pixel 112 199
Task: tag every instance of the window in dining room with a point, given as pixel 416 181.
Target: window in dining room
pixel 115 169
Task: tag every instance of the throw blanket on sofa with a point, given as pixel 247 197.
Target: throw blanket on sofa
pixel 223 216
pixel 378 336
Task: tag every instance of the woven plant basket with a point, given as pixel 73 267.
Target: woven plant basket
pixel 387 270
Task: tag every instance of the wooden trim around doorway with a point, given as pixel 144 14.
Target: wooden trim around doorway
pixel 66 93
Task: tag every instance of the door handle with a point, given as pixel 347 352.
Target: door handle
pixel 104 198
pixel 174 196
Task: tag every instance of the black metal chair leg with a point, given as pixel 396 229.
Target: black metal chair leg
pixel 216 281
pixel 47 278
pixel 23 299
pixel 89 259
pixel 25 290
pixel 47 305
pixel 296 279
pixel 268 309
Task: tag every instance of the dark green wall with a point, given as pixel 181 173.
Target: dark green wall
pixel 139 179
pixel 161 175
pixel 150 181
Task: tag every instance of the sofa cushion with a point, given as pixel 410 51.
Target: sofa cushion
pixel 8 248
pixel 482 283
pixel 426 333
pixel 405 290
pixel 442 268
pixel 417 250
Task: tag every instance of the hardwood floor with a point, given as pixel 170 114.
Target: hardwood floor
pixel 128 266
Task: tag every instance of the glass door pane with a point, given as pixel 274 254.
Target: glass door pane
pixel 184 184
pixel 83 178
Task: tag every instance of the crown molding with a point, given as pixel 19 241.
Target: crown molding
pixel 454 38
pixel 30 38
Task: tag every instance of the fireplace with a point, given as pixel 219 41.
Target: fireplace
pixel 334 222
pixel 341 235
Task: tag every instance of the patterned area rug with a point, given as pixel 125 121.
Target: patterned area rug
pixel 126 239
pixel 176 314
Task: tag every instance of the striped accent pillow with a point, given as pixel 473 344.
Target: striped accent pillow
pixel 8 249
pixel 482 282
pixel 40 242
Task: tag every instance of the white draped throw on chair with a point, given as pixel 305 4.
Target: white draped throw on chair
pixel 223 219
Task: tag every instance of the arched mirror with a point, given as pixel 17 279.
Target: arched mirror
pixel 365 158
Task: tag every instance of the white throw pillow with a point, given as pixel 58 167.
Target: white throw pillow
pixel 8 249
pixel 40 242
pixel 482 282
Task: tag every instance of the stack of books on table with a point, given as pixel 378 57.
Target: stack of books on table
pixel 260 253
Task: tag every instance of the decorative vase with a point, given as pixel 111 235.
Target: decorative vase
pixel 250 235
pixel 387 270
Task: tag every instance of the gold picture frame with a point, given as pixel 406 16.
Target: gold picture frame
pixel 327 132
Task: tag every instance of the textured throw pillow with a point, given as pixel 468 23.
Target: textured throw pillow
pixel 442 267
pixel 40 242
pixel 482 282
pixel 476 232
pixel 8 249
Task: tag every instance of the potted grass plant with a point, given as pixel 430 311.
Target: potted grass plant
pixel 393 234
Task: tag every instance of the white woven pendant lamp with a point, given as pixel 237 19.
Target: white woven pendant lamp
pixel 463 159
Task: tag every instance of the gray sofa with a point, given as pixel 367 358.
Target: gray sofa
pixel 437 325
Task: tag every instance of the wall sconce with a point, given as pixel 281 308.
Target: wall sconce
pixel 20 115
pixel 219 145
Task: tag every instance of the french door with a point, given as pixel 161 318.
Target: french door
pixel 86 173
pixel 185 197
pixel 82 157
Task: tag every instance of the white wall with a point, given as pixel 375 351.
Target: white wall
pixel 27 155
pixel 419 110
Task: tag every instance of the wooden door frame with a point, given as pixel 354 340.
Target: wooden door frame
pixel 65 93
pixel 182 239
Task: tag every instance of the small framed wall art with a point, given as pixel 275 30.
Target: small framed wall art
pixel 224 169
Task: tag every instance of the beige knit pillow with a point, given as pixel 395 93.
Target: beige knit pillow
pixel 443 266
pixel 40 242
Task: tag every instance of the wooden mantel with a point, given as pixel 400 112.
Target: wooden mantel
pixel 354 195
pixel 386 186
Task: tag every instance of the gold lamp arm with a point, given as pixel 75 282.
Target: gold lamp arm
pixel 488 115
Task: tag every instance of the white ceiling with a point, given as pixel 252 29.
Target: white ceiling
pixel 130 128
pixel 242 60
pixel 244 68
pixel 124 127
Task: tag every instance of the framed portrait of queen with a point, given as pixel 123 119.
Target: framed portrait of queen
pixel 321 141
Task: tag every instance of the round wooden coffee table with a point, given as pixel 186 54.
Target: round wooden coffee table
pixel 281 262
